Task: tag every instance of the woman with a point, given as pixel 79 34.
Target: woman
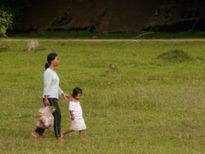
pixel 51 92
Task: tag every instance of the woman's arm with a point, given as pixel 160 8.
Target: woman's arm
pixel 46 101
pixel 60 91
pixel 65 96
pixel 47 78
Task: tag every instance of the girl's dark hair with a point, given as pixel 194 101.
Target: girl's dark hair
pixel 76 91
pixel 50 58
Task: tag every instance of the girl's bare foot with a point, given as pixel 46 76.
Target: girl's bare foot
pixel 62 135
pixel 81 134
pixel 60 139
pixel 36 136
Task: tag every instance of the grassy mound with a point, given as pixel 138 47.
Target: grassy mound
pixel 176 56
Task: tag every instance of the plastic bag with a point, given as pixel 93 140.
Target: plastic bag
pixel 45 118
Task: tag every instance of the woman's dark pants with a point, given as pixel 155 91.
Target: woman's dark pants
pixel 57 119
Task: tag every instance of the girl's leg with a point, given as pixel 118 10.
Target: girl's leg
pixel 66 132
pixel 81 134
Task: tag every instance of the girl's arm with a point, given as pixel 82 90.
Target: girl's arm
pixel 72 115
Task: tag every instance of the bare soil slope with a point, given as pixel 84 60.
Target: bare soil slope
pixel 115 15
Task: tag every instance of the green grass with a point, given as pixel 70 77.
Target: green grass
pixel 89 35
pixel 149 105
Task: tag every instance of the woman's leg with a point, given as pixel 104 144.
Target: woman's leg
pixel 57 118
pixel 39 131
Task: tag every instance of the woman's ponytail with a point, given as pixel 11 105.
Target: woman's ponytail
pixel 47 65
pixel 50 58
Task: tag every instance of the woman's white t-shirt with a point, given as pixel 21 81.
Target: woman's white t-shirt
pixel 51 84
pixel 76 108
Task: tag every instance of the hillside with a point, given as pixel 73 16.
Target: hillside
pixel 114 15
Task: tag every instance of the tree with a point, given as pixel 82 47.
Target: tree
pixel 6 21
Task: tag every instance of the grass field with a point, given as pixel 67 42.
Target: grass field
pixel 152 104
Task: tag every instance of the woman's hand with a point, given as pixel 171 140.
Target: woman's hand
pixel 47 101
pixel 66 97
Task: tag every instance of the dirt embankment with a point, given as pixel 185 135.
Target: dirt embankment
pixel 115 15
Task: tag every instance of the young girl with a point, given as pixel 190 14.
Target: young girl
pixel 76 114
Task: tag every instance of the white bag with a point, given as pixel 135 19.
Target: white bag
pixel 45 119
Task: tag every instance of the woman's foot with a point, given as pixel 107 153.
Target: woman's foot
pixel 36 136
pixel 60 139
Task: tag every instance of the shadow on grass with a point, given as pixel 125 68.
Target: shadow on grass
pixel 4 48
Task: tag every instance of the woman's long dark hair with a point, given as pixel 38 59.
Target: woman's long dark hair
pixel 50 58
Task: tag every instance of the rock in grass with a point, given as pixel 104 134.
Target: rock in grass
pixel 32 45
pixel 112 67
pixel 175 56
